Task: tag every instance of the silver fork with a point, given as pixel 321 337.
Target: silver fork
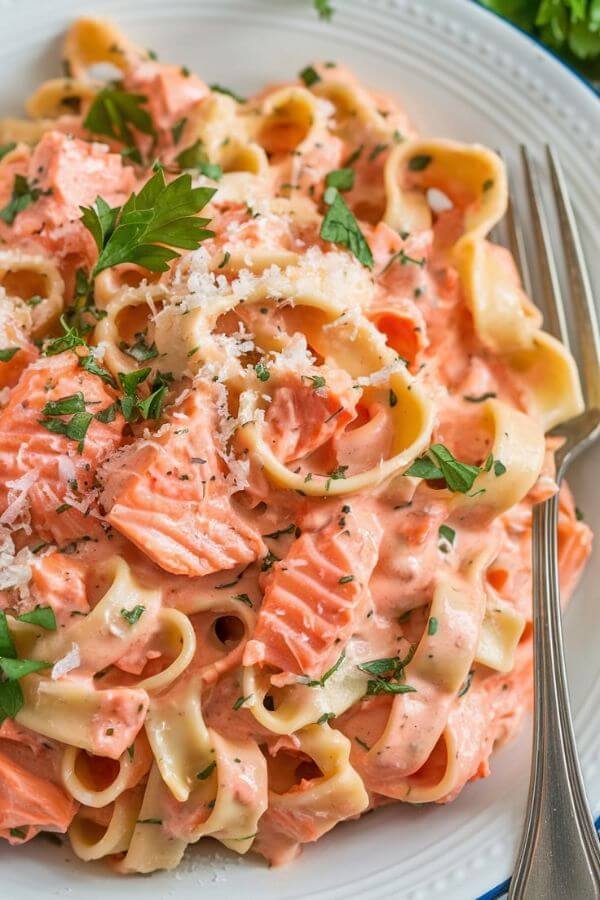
pixel 559 855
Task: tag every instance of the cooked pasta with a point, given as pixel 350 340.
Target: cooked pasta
pixel 274 413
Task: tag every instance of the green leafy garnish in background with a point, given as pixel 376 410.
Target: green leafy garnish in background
pixel 569 27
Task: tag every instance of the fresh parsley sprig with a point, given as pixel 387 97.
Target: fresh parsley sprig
pixel 440 464
pixel 147 228
pixel 11 670
pixel 340 227
pixel 114 112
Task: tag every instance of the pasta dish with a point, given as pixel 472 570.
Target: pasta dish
pixel 274 413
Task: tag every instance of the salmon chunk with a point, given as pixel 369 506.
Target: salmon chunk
pixel 307 410
pixel 31 797
pixel 64 173
pixel 169 496
pixel 46 473
pixel 313 596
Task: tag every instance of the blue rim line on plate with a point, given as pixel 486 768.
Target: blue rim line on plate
pixel 566 65
pixel 501 890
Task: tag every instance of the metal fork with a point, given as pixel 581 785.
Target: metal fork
pixel 559 855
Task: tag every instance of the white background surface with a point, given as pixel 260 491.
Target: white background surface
pixel 460 72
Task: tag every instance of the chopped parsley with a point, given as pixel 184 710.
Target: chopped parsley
pixel 290 529
pixel 140 351
pixel 346 579
pixel 91 365
pixel 340 227
pixel 447 534
pixel 479 398
pixel 23 195
pixel 325 718
pixel 432 626
pixel 342 179
pixel 70 339
pixel 11 670
pixel 204 774
pixel 196 157
pixel 268 561
pixel 262 373
pixel 376 151
pixel 393 399
pixel 466 684
pixel 177 129
pixel 439 464
pixel 219 89
pixel 43 616
pixel 114 112
pixel 6 148
pixel 74 428
pixel 389 674
pixel 309 76
pixel 419 162
pixel 133 615
pixel 243 598
pixel 240 702
pixel 322 681
pixel 499 468
pixel 7 353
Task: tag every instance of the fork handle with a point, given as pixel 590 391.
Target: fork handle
pixel 559 854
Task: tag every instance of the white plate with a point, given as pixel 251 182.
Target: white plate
pixel 460 72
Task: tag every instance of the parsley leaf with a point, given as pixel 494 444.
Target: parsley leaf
pixel 114 111
pixel 7 647
pixel 23 195
pixel 309 76
pixel 204 774
pixel 196 157
pixel 67 341
pixel 133 615
pixel 6 148
pixel 7 353
pixel 140 351
pixel 340 227
pixel 342 179
pixel 419 162
pixel 161 214
pixel 42 616
pixel 324 9
pixel 219 89
pixel 91 365
pixel 439 463
pixel 262 372
pixel 320 682
pixel 72 404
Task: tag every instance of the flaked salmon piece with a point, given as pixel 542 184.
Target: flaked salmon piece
pixel 65 173
pixel 51 474
pixel 31 798
pixel 171 93
pixel 168 495
pixel 29 803
pixel 313 596
pixel 59 581
pixel 309 409
pixel 69 173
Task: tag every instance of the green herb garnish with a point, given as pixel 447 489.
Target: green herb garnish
pixel 340 227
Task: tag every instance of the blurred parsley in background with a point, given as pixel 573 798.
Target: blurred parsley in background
pixel 571 28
